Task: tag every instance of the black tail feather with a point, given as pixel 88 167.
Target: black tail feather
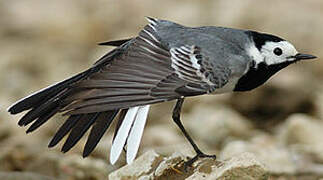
pixel 64 129
pixel 122 115
pixel 99 128
pixel 81 126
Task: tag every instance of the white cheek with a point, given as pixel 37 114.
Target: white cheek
pixel 254 53
pixel 270 58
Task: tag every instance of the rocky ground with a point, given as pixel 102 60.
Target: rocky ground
pixel 274 132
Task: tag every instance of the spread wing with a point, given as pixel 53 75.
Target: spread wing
pixel 146 72
pixel 139 72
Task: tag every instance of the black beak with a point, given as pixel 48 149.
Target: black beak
pixel 300 56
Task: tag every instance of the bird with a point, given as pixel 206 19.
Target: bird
pixel 166 61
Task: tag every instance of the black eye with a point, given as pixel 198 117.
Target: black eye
pixel 278 51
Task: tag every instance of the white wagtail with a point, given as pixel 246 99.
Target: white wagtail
pixel 165 62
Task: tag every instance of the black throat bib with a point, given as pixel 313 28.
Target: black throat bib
pixel 258 76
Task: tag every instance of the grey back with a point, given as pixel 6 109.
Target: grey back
pixel 222 45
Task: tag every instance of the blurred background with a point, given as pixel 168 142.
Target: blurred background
pixel 43 42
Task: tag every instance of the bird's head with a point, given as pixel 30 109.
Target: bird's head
pixel 272 50
pixel 269 55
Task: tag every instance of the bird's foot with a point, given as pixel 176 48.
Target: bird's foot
pixel 199 155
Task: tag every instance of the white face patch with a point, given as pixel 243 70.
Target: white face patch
pixel 267 54
pixel 254 53
pixel 270 57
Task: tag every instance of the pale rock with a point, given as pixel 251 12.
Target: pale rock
pixel 277 159
pixel 216 124
pixel 141 167
pixel 167 163
pixel 152 166
pixel 243 166
pixel 303 134
pixel 71 166
pixel 74 166
pixel 24 176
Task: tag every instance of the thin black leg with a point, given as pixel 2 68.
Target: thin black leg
pixel 177 120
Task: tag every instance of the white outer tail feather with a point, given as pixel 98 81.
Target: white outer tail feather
pixel 136 132
pixel 131 128
pixel 122 134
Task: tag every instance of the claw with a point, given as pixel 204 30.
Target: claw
pixel 189 163
pixel 176 170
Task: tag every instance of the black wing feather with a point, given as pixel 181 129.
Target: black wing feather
pixel 114 43
pixel 80 128
pixel 99 127
pixel 69 123
pixel 37 112
pixel 122 115
pixel 42 119
pixel 42 96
